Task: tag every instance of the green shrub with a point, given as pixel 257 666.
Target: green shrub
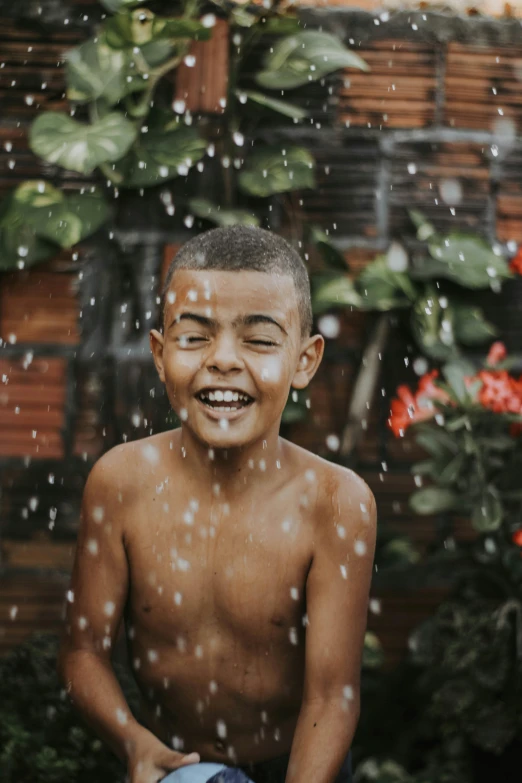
pixel 42 738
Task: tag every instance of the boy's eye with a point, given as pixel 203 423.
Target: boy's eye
pixel 262 342
pixel 186 340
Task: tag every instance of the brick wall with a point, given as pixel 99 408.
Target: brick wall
pixel 440 103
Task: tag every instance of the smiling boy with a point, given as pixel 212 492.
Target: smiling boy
pixel 240 562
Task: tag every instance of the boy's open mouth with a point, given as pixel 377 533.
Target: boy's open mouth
pixel 224 400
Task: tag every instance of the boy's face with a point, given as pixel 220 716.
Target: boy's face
pixel 230 352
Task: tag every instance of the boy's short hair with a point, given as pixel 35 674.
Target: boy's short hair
pixel 237 248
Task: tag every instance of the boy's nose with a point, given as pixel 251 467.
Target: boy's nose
pixel 223 356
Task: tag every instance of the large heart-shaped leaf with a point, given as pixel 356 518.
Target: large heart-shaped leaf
pixel 57 138
pixel 222 217
pixel 96 70
pixel 467 260
pixel 273 169
pixel 304 57
pixel 39 219
pixel 161 155
pixel 282 107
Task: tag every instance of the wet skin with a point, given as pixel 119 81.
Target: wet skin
pixel 221 602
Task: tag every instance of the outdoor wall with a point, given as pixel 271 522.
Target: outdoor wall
pixel 442 102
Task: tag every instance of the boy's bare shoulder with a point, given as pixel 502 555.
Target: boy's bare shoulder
pixel 119 474
pixel 337 486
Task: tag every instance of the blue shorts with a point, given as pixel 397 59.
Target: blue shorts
pixel 274 770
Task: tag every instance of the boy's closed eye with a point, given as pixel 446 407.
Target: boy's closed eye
pixel 185 339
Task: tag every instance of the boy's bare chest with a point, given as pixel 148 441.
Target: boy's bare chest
pixel 241 571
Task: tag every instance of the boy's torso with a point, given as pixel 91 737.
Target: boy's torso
pixel 216 610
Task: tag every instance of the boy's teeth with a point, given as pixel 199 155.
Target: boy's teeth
pixel 218 395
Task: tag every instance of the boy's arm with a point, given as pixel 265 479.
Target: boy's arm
pixel 337 594
pixel 95 602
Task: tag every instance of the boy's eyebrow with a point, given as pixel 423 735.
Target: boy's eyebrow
pixel 243 320
pixel 257 318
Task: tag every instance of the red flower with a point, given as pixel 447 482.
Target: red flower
pixel 500 392
pixel 517 537
pixel 410 408
pixel 497 352
pixel 516 262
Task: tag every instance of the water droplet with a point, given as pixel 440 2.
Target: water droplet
pixel 189 60
pixel 360 547
pixel 212 686
pixel 209 20
pixel 397 257
pixel 329 326
pixel 294 593
pixel 332 442
pixel 292 635
pixel 221 729
pixel 92 546
pixel 412 168
pixel 109 608
pixel 151 454
pixel 450 191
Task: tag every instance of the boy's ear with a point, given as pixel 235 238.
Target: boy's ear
pixel 156 346
pixel 309 360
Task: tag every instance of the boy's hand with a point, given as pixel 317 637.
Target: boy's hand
pixel 150 761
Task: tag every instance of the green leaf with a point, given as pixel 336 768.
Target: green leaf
pixel 141 26
pixel 455 372
pixel 39 219
pixel 57 225
pixel 117 5
pixel 432 327
pixel 467 260
pixel 451 472
pixel 222 217
pixel 434 500
pixel 281 25
pixel 487 514
pixel 57 138
pixel 91 209
pixel 333 258
pixel 336 292
pixel 435 440
pixel 283 107
pixel 383 289
pixel 304 57
pixel 273 169
pixel 470 326
pixel 161 155
pixel 242 18
pixel 95 70
pixel 36 193
pixel 20 245
pixel 424 228
pixel 373 654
